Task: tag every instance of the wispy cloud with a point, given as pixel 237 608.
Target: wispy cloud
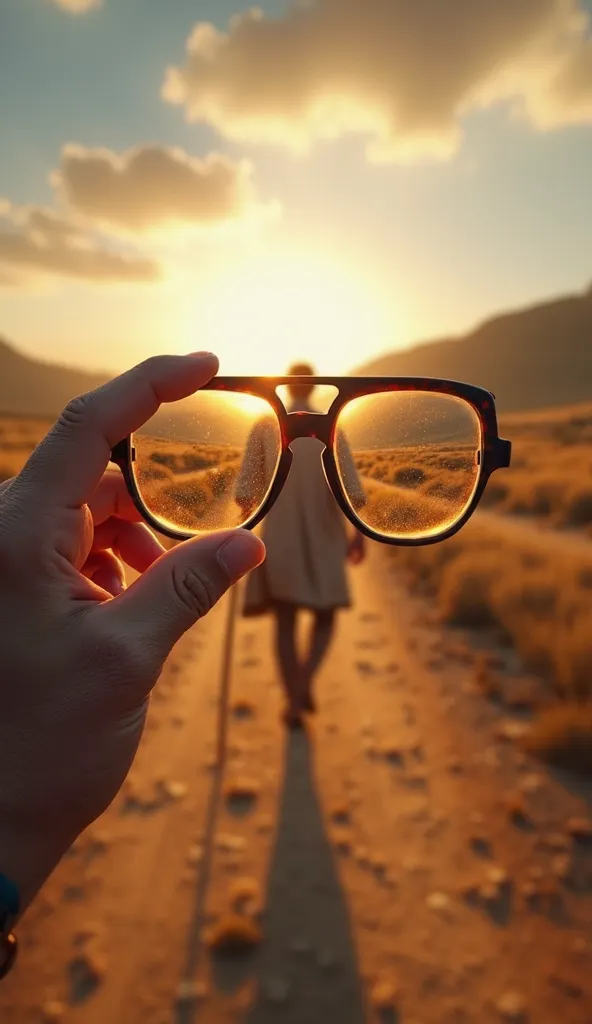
pixel 402 73
pixel 36 242
pixel 154 188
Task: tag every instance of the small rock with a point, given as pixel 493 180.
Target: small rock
pixel 561 866
pixel 245 893
pixel 191 992
pixel 497 876
pixel 174 790
pixel 531 783
pixel 512 1006
pixel 53 1012
pixel 383 996
pixel 234 934
pixel 579 828
pixel 195 855
pixel 276 990
pixel 557 841
pixel 511 731
pixel 228 843
pixel 439 902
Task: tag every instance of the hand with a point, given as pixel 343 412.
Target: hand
pixel 80 654
pixel 356 552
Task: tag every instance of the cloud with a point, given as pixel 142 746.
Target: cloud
pixel 403 73
pixel 39 242
pixel 77 6
pixel 151 188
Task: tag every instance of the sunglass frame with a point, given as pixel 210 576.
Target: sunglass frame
pixel 496 452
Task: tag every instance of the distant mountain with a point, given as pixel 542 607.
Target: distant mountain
pixel 536 357
pixel 31 388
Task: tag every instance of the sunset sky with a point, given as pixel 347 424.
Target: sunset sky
pixel 322 180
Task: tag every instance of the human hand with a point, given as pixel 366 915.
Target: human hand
pixel 80 654
pixel 356 552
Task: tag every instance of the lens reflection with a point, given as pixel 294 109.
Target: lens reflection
pixel 409 461
pixel 208 462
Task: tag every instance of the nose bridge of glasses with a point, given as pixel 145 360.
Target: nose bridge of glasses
pixel 308 424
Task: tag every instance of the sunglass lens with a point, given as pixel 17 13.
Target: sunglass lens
pixel 409 461
pixel 208 462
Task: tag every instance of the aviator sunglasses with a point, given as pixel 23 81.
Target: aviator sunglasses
pixel 407 459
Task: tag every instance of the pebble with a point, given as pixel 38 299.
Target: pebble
pixel 512 1006
pixel 195 855
pixel 53 1012
pixel 557 841
pixel 531 783
pixel 174 790
pixel 245 892
pixel 511 730
pixel 579 828
pixel 384 996
pixel 230 843
pixel 439 902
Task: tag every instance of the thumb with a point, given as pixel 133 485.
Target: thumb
pixel 183 586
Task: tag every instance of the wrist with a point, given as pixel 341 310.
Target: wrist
pixel 27 858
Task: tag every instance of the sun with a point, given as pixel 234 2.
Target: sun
pixel 265 313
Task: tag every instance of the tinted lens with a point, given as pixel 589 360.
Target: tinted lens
pixel 208 462
pixel 409 461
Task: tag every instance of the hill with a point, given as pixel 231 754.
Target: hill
pixel 31 388
pixel 530 359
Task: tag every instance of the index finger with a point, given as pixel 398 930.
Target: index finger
pixel 66 467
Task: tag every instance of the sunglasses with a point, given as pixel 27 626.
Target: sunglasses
pixel 407 459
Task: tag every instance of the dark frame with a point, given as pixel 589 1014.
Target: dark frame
pixel 496 453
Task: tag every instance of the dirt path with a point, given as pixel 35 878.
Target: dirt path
pixel 403 854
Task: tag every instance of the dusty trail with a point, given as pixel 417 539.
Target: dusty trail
pixel 391 863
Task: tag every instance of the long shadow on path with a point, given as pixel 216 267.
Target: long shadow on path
pixel 307 968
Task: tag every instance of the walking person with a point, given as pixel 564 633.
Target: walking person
pixel 309 543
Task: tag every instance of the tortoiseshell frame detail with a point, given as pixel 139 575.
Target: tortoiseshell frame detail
pixel 496 453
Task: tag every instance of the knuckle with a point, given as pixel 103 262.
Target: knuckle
pixel 195 589
pixel 77 411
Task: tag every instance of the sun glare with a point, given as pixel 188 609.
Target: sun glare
pixel 266 314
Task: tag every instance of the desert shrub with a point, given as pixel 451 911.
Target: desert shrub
pixel 465 590
pixel 579 510
pixel 528 588
pixel 408 476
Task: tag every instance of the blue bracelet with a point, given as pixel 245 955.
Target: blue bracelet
pixel 9 911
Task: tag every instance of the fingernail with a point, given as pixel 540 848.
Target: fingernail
pixel 202 355
pixel 241 553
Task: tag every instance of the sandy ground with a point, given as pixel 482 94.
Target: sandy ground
pixel 404 861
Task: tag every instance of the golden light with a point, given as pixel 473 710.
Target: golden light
pixel 265 313
pixel 242 402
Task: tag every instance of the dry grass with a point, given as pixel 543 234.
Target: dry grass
pixel 535 595
pixel 551 474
